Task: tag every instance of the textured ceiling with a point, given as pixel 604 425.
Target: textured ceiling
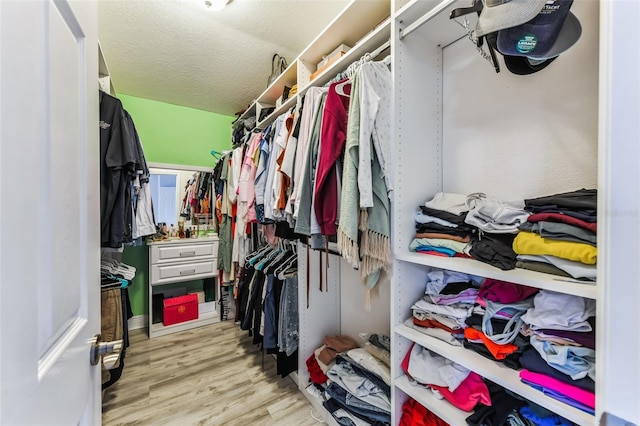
pixel 180 53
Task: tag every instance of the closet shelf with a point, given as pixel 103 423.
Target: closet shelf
pixel 440 407
pixel 367 44
pixel 249 112
pixel 440 31
pixel 500 374
pixel 354 22
pixel 540 280
pixel 277 112
pixel 274 91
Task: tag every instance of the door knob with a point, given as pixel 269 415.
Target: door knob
pixel 99 349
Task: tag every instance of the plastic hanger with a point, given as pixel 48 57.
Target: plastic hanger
pixel 257 253
pixel 340 88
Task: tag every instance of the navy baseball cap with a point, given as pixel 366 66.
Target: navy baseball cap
pixel 554 30
pixel 520 65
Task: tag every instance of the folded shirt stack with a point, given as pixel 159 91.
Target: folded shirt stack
pixel 561 360
pixel 458 385
pixel 560 235
pixel 448 302
pixel 356 380
pixel 440 226
pixel 497 222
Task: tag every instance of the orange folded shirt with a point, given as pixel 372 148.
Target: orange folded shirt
pixel 498 351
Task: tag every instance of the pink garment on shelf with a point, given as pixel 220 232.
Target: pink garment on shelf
pixel 504 292
pixel 580 395
pixel 468 394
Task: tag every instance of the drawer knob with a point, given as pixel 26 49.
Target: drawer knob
pixel 188 272
pixel 188 253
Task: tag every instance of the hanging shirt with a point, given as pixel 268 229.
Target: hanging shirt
pixel 272 169
pixel 332 140
pixel 375 125
pixel 311 100
pixel 117 169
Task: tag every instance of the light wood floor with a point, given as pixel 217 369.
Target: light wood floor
pixel 206 376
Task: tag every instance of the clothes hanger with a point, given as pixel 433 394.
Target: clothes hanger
pixel 285 267
pixel 259 252
pixel 460 11
pixel 477 8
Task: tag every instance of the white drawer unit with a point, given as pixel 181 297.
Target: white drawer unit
pixel 177 261
pixel 170 273
pixel 179 252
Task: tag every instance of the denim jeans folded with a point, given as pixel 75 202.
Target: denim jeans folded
pixel 358 407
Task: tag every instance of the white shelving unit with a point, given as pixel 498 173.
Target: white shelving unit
pixel 460 127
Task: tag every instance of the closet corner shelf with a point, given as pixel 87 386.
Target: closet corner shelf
pixel 249 112
pixel 205 318
pixel 440 407
pixel 540 280
pixel 496 372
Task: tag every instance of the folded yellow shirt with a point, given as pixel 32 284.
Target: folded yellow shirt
pixel 530 243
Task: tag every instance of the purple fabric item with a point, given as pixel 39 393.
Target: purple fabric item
pixel 572 395
pixel 467 296
pixel 504 292
pixel 586 339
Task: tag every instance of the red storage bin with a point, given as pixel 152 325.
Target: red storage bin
pixel 180 309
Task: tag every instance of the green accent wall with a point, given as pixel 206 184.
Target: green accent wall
pixel 178 135
pixel 170 134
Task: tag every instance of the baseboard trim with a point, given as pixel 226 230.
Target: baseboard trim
pixel 139 321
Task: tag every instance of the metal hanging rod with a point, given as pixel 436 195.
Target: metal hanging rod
pixel 425 18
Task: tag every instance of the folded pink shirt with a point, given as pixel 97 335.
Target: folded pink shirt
pixel 582 396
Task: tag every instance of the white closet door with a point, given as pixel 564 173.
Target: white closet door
pixel 49 219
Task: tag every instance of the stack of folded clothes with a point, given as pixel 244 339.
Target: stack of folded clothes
pixel 561 360
pixel 560 236
pixel 494 328
pixel 448 302
pixel 497 222
pixel 355 381
pixel 440 226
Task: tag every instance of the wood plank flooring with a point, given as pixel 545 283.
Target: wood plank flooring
pixel 210 375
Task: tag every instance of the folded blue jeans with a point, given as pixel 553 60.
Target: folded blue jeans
pixel 357 406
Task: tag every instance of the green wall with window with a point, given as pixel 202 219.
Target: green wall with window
pixel 177 135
